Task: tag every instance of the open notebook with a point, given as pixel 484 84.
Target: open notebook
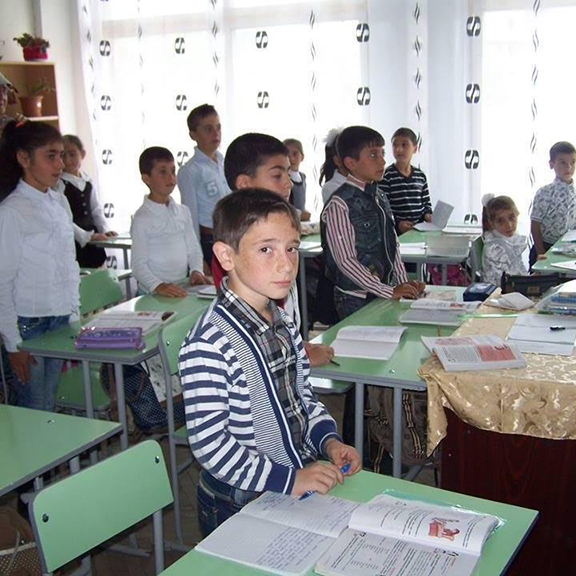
pixel 440 217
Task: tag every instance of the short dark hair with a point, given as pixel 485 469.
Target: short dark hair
pixel 354 138
pixel 152 155
pixel 198 114
pixel 74 140
pixel 296 143
pixel 406 133
pixel 562 147
pixel 236 212
pixel 247 153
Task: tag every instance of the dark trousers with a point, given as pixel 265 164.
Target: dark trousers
pixel 206 243
pixel 534 255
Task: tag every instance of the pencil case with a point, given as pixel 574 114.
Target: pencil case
pixel 531 286
pixel 126 338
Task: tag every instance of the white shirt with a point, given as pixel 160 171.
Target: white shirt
pixel 40 275
pixel 164 245
pixel 80 235
pixel 332 185
pixel 502 254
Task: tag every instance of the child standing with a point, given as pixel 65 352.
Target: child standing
pixel 40 276
pixel 404 185
pixel 164 246
pixel 554 205
pixel 87 215
pixel 298 195
pixel 503 248
pixel 201 180
pixel 332 173
pixel 253 421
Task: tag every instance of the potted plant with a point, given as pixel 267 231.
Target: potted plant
pixel 32 103
pixel 34 47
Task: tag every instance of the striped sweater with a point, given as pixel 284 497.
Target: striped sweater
pixel 237 428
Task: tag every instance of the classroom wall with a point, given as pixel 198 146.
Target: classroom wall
pixel 15 18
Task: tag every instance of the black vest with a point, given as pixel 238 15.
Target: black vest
pixel 79 201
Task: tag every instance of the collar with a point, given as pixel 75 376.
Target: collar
pixel 558 182
pixel 77 181
pixel 157 208
pixel 204 158
pixel 355 182
pixel 514 239
pixel 295 176
pixel 247 315
pixel 35 194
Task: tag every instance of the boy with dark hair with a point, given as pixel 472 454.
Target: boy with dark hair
pixel 201 180
pixel 253 421
pixel 404 185
pixel 358 236
pixel 164 246
pixel 554 206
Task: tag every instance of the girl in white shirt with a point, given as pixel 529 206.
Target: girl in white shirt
pixel 332 172
pixel 503 248
pixel 40 277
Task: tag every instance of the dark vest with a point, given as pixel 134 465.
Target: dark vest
pixel 375 237
pixel 79 201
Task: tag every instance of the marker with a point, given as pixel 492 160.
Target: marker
pixel 309 493
pixel 557 328
pixel 335 363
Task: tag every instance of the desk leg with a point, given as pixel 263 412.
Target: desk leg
pixel 444 274
pixel 304 298
pixel 359 420
pixel 397 434
pixel 419 271
pixel 121 401
pixel 87 389
pixel 126 267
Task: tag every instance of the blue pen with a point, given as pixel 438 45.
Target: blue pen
pixel 309 493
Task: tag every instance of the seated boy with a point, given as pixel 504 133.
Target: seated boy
pixel 253 421
pixel 554 205
pixel 404 185
pixel 261 161
pixel 201 180
pixel 360 243
pixel 164 246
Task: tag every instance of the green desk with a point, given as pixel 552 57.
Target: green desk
pixel 119 243
pixel 310 247
pixel 498 552
pixel 60 344
pixel 33 442
pixel 399 373
pixel 545 265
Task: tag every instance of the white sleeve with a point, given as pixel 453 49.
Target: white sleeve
pixel 140 258
pixel 80 235
pixel 187 184
pixel 195 258
pixel 97 213
pixel 10 252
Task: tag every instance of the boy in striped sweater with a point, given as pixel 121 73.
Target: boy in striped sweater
pixel 253 421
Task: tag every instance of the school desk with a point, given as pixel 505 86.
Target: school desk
pixel 123 243
pixel 33 442
pixel 400 372
pixel 497 554
pixel 60 344
pixel 544 266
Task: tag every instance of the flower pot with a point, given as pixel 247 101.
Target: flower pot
pixel 31 106
pixel 32 53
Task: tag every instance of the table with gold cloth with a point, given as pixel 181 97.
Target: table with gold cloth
pixel 539 400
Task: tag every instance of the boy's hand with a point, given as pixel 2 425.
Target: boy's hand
pixel 305 216
pixel 341 454
pixel 318 476
pixel 98 236
pixel 198 278
pixel 170 290
pixel 406 290
pixel 319 354
pixel 404 226
pixel 542 257
pixel 420 286
pixel 111 233
pixel 20 362
pixel 428 217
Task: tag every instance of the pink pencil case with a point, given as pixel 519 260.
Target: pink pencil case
pixel 110 338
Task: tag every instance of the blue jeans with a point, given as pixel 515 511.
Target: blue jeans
pixel 218 501
pixel 40 390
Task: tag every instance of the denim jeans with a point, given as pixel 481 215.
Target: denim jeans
pixel 218 501
pixel 347 304
pixel 40 390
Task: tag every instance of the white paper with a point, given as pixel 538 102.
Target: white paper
pixel 266 545
pixel 435 317
pixel 440 217
pixel 570 236
pixel 431 304
pixel 544 348
pixel 368 342
pixel 511 301
pixel 147 320
pixel 568 265
pixel 464 230
pixel 202 290
pixel 413 249
pixel 362 554
pixel 323 514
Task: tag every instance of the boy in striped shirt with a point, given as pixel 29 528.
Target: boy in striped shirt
pixel 253 421
pixel 404 185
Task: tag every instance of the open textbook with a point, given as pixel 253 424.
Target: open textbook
pixel 369 342
pixel 480 352
pixel 144 319
pixel 392 536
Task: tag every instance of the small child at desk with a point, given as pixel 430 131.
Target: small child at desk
pixel 503 248
pixel 164 246
pixel 554 205
pixel 298 194
pixel 253 421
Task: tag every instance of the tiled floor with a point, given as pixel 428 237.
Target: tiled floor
pixel 108 563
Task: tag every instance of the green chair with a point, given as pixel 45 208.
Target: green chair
pixel 476 258
pixel 169 342
pixel 99 289
pixel 72 516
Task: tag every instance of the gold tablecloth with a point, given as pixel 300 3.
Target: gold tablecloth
pixel 539 400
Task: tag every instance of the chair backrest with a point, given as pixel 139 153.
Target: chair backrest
pixel 476 257
pixel 98 290
pixel 85 509
pixel 171 339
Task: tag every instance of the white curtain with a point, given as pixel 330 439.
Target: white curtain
pixel 485 84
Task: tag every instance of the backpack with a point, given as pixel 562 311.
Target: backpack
pixel 18 551
pixel 148 412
